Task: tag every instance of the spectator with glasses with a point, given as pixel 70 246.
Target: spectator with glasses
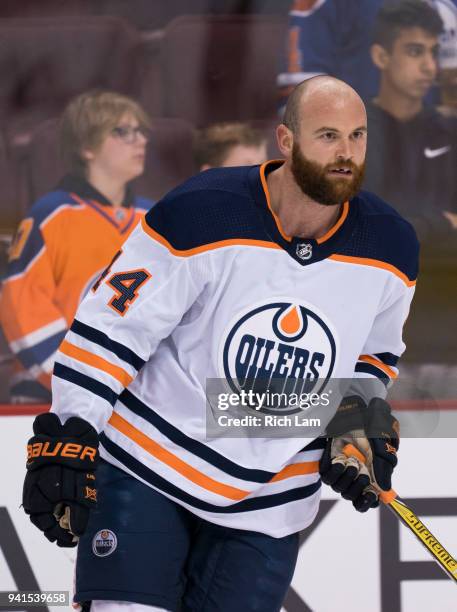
pixel 71 234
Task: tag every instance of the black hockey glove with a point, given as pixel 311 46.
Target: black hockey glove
pixel 59 488
pixel 375 433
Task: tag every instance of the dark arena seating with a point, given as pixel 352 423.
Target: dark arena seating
pixel 8 217
pixel 46 61
pixel 150 14
pixel 216 68
pixel 15 192
pixel 45 8
pixel 143 14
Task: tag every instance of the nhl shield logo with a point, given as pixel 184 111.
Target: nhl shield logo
pixel 304 250
pixel 104 543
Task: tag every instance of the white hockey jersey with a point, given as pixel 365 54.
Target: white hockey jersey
pixel 209 286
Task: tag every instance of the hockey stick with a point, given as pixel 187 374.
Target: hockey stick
pixel 390 498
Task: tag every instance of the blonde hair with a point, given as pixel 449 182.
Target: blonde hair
pixel 89 118
pixel 213 144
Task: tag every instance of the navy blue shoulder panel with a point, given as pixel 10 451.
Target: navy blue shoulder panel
pixel 382 233
pixel 48 203
pixel 144 203
pixel 34 242
pixel 212 206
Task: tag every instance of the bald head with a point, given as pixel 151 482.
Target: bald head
pixel 323 139
pixel 317 93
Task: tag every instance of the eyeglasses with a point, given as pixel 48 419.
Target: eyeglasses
pixel 130 134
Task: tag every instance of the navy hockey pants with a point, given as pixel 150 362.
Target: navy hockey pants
pixel 142 547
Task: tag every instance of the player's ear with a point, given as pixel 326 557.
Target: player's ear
pixel 87 155
pixel 285 139
pixel 379 56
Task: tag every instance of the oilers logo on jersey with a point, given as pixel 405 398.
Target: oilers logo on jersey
pixel 279 344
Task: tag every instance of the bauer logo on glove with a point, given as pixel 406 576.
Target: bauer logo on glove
pixel 59 488
pixel 72 451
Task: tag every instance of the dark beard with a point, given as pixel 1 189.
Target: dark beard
pixel 313 180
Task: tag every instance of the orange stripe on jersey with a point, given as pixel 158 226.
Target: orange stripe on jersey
pixel 96 362
pixel 45 380
pixel 206 247
pixel 293 64
pixel 303 5
pixel 267 197
pixel 297 469
pixel 285 91
pixel 337 225
pixel 180 466
pixel 379 364
pixel 375 263
pixel 17 316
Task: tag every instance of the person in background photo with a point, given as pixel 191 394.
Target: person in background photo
pixel 71 234
pixel 334 37
pixel 411 155
pixel 229 144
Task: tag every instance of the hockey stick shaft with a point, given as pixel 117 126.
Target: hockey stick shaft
pixel 390 498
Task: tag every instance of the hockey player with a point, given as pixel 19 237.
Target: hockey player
pixel 279 271
pixel 411 157
pixel 71 233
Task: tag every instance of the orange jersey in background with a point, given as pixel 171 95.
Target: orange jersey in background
pixel 59 250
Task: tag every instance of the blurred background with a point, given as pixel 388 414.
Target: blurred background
pixel 190 65
pixel 193 64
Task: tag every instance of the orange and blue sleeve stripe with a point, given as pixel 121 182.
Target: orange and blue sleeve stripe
pixel 91 360
pixel 381 365
pixel 104 341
